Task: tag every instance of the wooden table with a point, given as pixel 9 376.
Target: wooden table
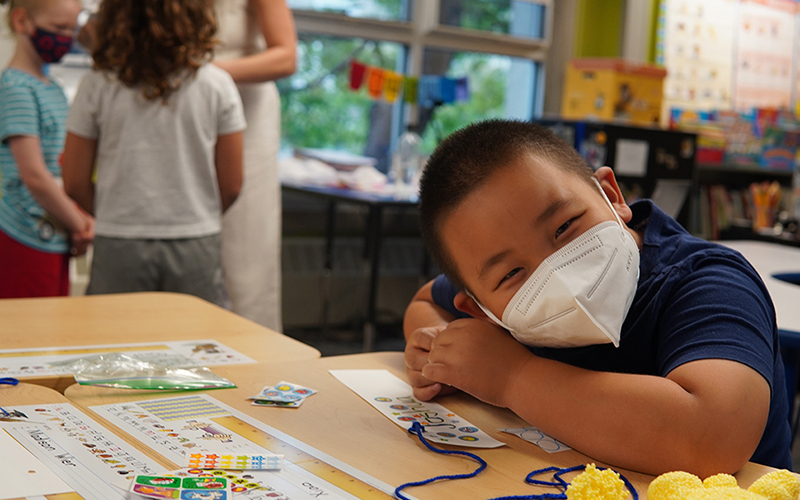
pixel 339 423
pixel 135 318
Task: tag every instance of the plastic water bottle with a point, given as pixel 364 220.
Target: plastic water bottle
pixel 406 164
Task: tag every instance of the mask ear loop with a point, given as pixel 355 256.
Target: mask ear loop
pixel 608 202
pixel 487 312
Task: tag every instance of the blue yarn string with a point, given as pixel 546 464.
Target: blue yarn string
pixel 558 480
pixel 417 429
pixel 9 381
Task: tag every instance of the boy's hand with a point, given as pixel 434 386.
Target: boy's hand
pixel 418 345
pixel 477 357
pixel 81 240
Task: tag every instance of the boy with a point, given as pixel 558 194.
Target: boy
pixel 631 341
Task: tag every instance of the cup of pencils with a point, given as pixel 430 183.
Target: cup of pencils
pixel 766 197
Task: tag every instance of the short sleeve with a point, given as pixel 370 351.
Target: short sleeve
pixel 720 310
pixel 231 114
pixel 82 118
pixel 19 114
pixel 444 293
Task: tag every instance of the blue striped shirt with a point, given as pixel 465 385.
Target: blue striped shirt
pixel 30 107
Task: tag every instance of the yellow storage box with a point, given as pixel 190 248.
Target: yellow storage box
pixel 613 89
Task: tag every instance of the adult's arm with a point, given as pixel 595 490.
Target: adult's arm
pixel 280 58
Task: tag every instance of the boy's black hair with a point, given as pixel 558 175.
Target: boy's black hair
pixel 463 162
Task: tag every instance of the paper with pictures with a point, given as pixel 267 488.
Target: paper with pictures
pixel 182 427
pixel 176 354
pixel 82 453
pixel 394 398
pixel 539 438
pixel 631 157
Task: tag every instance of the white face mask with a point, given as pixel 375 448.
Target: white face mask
pixel 580 294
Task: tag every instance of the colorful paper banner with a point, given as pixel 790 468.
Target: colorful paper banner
pixel 427 90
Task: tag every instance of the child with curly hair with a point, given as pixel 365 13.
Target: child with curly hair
pixel 165 130
pixel 38 221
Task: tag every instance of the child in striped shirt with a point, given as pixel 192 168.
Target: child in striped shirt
pixel 39 224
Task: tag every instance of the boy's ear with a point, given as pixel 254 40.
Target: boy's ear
pixel 608 182
pixel 465 304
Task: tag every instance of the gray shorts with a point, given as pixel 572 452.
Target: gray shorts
pixel 189 265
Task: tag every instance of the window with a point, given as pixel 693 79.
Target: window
pixel 509 17
pixel 396 10
pixel 499 45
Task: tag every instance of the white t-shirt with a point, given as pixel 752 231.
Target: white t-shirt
pixel 156 174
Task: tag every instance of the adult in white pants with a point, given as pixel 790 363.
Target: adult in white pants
pixel 258 46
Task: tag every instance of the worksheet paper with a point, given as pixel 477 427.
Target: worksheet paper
pixel 394 398
pixel 91 460
pixel 177 354
pixel 180 427
pixel 24 475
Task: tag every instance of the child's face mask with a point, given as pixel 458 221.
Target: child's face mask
pixel 580 294
pixel 50 46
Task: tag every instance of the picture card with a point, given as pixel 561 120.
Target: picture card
pixel 539 438
pixel 237 462
pixel 284 392
pixel 182 488
pixel 394 398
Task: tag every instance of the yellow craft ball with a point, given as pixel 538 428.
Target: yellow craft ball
pixel 673 486
pixel 777 485
pixel 720 480
pixel 723 493
pixel 594 484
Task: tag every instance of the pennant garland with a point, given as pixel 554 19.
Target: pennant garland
pixel 427 90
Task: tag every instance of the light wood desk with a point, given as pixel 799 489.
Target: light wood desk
pixel 28 394
pixel 136 318
pixel 339 423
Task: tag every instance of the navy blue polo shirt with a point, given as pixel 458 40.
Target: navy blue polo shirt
pixel 694 300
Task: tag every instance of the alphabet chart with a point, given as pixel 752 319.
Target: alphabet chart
pixel 181 428
pixel 177 354
pixel 394 398
pixel 83 454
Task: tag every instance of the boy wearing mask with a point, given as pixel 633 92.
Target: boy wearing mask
pixel 606 326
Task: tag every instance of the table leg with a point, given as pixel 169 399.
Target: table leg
pixel 372 256
pixel 327 268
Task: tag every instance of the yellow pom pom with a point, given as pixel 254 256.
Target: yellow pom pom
pixel 673 486
pixel 720 480
pixel 723 493
pixel 593 484
pixel 777 485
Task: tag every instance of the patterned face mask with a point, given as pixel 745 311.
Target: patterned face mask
pixel 50 46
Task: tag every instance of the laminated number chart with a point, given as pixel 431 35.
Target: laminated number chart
pixel 182 428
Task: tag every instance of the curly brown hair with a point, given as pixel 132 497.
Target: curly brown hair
pixel 155 44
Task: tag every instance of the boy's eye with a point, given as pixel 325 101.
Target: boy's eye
pixel 511 274
pixel 564 227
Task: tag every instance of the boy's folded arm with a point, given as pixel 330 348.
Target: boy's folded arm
pixel 705 417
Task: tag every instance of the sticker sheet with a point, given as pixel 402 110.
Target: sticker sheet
pixel 185 488
pixel 283 394
pixel 176 354
pixel 539 438
pixel 394 398
pixel 243 462
pixel 197 425
pixel 89 458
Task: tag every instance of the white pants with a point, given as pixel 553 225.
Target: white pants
pixel 251 228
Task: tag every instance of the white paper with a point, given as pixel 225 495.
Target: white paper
pixel 23 474
pixel 179 427
pixel 539 438
pixel 394 398
pixel 670 194
pixel 631 157
pixel 177 354
pixel 86 456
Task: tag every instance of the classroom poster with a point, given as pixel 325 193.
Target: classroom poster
pixel 697 48
pixel 180 427
pixel 90 459
pixel 765 54
pixel 177 354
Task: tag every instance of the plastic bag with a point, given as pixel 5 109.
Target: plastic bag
pixel 124 372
